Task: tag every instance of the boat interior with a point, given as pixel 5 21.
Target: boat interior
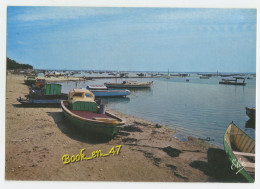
pixel 88 110
pixel 243 148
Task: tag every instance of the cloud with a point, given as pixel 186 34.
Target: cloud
pixel 213 16
pixel 62 13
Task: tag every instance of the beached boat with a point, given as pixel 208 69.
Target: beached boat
pixel 84 113
pixel 49 91
pixel 235 81
pixel 30 80
pixel 250 112
pixel 40 83
pixel 240 149
pixel 129 84
pixel 29 101
pixel 103 91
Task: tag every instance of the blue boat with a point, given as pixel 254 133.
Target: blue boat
pixel 30 101
pixel 103 91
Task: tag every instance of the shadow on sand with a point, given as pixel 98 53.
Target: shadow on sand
pixel 36 105
pixel 68 129
pixel 218 167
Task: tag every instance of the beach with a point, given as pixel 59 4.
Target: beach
pixel 38 138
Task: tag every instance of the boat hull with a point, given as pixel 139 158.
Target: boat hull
pixel 128 86
pixel 92 126
pixel 38 95
pixel 30 101
pixel 250 112
pixel 237 140
pixel 231 83
pixel 29 82
pixel 110 93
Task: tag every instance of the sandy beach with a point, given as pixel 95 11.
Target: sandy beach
pixel 38 138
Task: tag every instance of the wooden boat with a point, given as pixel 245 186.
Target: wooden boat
pixel 235 81
pixel 103 91
pixel 240 149
pixel 250 112
pixel 40 83
pixel 84 113
pixel 49 91
pixel 129 84
pixel 29 101
pixel 30 80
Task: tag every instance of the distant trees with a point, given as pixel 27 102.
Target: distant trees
pixel 12 65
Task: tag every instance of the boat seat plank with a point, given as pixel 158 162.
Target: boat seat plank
pixel 248 165
pixel 250 170
pixel 245 163
pixel 244 154
pixel 89 114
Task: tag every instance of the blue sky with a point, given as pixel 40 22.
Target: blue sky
pixel 133 39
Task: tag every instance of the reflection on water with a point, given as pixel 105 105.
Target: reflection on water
pixel 114 100
pixel 201 107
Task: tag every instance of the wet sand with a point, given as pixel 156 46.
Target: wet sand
pixel 37 138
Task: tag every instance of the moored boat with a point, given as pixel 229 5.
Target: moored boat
pixel 103 91
pixel 129 84
pixel 30 80
pixel 29 101
pixel 240 149
pixel 85 114
pixel 235 81
pixel 250 112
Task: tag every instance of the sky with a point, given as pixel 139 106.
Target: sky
pixel 133 39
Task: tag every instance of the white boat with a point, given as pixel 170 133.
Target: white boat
pixel 129 84
pixel 103 91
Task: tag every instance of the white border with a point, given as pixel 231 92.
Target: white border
pixel 116 3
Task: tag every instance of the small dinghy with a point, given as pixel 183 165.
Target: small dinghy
pixel 130 84
pixel 240 149
pixel 103 91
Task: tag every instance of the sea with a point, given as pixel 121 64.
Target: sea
pixel 200 108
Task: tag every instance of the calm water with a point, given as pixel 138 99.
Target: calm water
pixel 201 107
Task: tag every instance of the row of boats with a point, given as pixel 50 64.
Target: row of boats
pixel 51 93
pixel 81 108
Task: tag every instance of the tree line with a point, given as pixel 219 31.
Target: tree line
pixel 12 65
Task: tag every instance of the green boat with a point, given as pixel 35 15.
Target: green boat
pixel 240 149
pixel 30 80
pixel 85 114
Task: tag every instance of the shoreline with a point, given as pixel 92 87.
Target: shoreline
pixel 176 129
pixel 38 138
